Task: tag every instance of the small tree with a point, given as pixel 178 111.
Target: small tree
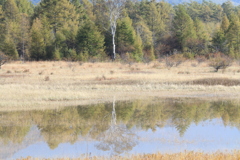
pixel 220 61
pixel 3 59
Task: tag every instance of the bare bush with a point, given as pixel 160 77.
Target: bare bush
pixel 220 61
pixel 174 60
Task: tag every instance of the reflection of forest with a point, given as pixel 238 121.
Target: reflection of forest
pixel 65 125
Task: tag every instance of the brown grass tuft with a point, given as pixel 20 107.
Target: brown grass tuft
pixel 47 78
pixel 26 70
pixel 215 81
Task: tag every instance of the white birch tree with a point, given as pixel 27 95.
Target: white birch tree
pixel 114 8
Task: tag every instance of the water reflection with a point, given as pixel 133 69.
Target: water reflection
pixel 117 138
pixel 114 127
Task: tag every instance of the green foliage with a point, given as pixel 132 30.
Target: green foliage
pixel 90 40
pixel 11 10
pixel 25 6
pixel 184 28
pixel 9 48
pixel 233 35
pixel 225 23
pixel 146 30
pixel 127 41
pixel 37 46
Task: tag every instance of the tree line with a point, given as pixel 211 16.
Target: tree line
pixel 82 30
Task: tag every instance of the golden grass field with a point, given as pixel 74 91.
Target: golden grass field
pixel 175 156
pixel 41 85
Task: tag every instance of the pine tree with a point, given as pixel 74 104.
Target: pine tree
pixel 9 47
pixel 228 7
pixel 233 35
pixel 203 38
pixel 25 6
pixel 225 23
pixel 89 40
pixel 152 17
pixel 24 38
pixel 184 28
pixel 11 11
pixel 58 13
pixel 147 42
pixel 37 46
pixel 219 41
pixel 127 40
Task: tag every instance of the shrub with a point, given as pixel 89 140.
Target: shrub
pixel 174 60
pixel 219 61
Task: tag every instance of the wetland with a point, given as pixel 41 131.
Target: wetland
pixel 62 110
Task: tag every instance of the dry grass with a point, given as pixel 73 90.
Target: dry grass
pixel 39 85
pixel 216 81
pixel 176 156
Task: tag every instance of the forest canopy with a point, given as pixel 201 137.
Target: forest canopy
pixel 80 30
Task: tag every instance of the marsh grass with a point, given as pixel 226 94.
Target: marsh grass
pixel 215 81
pixel 38 85
pixel 235 155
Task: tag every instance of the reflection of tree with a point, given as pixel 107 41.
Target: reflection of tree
pixel 13 134
pixel 182 117
pixel 65 125
pixel 228 111
pixel 117 137
pixel 58 126
pixel 14 126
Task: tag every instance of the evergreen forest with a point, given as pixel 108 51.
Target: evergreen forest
pixel 82 30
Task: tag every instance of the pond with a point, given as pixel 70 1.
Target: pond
pixel 122 128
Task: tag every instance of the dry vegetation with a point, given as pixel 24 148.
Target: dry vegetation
pixel 40 85
pixel 176 156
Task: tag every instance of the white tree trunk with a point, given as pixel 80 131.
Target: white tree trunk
pixel 114 46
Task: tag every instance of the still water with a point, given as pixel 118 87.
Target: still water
pixel 122 128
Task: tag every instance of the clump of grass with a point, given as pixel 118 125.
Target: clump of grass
pixel 111 72
pixel 181 72
pixel 101 78
pixel 17 71
pixel 26 70
pixel 47 78
pixel 40 73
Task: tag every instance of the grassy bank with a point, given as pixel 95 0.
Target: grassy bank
pixel 176 156
pixel 40 85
